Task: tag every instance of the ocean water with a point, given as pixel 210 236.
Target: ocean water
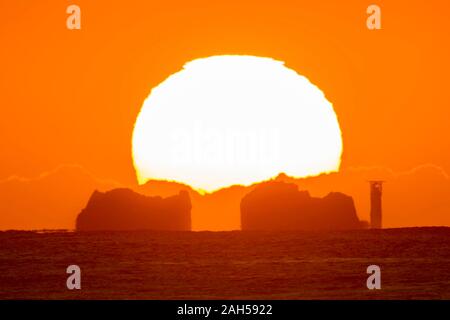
pixel 414 262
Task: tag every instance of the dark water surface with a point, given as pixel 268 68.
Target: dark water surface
pixel 415 264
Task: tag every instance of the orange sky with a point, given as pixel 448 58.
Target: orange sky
pixel 73 96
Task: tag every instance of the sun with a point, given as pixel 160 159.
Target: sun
pixel 234 119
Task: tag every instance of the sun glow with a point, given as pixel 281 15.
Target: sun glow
pixel 227 120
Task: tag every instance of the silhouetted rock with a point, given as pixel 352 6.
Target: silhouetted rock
pixel 124 209
pixel 281 206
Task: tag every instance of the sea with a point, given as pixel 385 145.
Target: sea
pixel 414 264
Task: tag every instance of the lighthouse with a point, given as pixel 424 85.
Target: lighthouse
pixel 376 190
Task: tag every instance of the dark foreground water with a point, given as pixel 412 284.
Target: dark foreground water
pixel 415 263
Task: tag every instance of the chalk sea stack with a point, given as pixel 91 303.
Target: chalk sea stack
pixel 281 206
pixel 124 209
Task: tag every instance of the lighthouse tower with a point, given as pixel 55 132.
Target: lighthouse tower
pixel 376 190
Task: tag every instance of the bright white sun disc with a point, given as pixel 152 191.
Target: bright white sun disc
pixel 227 120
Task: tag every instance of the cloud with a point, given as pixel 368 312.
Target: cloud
pixel 416 197
pixel 49 201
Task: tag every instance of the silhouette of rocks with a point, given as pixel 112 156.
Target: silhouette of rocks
pixel 124 209
pixel 281 206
